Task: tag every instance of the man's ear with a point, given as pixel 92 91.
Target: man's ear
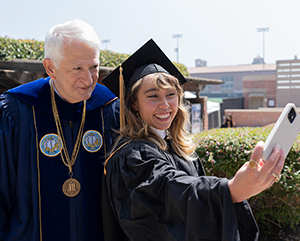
pixel 50 68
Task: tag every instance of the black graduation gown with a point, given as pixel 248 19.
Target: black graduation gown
pixel 157 195
pixel 32 203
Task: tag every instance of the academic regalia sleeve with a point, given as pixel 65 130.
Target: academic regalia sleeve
pixel 8 131
pixel 112 229
pixel 18 197
pixel 154 200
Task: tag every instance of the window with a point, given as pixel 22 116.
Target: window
pixel 283 87
pixel 271 102
pixel 228 85
pixel 207 89
pixel 283 70
pixel 283 81
pixel 283 76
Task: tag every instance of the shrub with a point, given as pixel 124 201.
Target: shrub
pixel 224 151
pixel 33 49
pixel 21 49
pixel 111 59
pixel 182 69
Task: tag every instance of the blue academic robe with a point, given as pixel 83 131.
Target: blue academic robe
pixel 32 203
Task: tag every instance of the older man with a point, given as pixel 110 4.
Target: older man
pixel 54 136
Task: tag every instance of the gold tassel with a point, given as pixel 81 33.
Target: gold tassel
pixel 121 97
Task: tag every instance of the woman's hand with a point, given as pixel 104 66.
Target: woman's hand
pixel 253 179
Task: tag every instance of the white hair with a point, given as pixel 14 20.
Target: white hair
pixel 75 30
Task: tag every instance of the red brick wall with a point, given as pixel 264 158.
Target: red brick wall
pixel 254 118
pixel 265 85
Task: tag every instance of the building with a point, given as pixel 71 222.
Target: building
pixel 232 76
pixel 259 91
pixel 264 89
pixel 200 63
pixel 258 60
pixel 288 82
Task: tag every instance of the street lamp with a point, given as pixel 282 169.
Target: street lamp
pixel 105 41
pixel 263 30
pixel 177 49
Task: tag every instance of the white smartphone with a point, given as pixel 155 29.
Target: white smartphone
pixel 284 132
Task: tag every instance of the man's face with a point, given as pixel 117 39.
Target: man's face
pixel 77 73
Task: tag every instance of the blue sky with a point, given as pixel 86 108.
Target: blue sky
pixel 222 32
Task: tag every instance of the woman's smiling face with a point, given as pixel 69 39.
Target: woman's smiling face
pixel 156 106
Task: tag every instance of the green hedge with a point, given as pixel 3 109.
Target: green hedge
pixel 32 49
pixel 111 59
pixel 21 49
pixel 224 151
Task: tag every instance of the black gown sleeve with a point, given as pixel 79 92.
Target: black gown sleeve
pixel 154 200
pixel 8 169
pixel 111 227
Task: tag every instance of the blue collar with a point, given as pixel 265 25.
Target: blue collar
pixel 37 93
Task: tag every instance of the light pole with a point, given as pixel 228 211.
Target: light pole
pixel 263 30
pixel 105 41
pixel 177 49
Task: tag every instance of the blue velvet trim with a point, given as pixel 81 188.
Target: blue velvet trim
pixel 37 93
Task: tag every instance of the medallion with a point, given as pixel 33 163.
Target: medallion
pixel 92 141
pixel 71 187
pixel 51 145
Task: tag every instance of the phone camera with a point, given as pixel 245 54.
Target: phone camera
pixel 292 115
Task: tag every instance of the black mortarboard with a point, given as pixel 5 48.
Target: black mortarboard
pixel 146 60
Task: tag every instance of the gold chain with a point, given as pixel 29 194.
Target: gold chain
pixel 64 154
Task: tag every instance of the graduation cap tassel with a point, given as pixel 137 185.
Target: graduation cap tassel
pixel 121 96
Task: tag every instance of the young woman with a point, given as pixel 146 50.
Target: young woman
pixel 156 184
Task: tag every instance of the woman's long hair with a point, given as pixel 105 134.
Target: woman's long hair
pixel 136 128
